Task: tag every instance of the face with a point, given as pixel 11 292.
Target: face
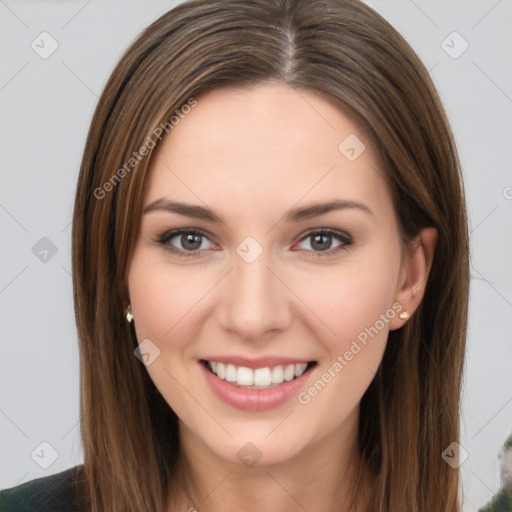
pixel 262 282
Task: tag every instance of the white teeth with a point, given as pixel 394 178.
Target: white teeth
pixel 277 374
pixel 245 376
pixel 289 372
pixel 221 371
pixel 231 373
pixel 260 378
pixel 300 369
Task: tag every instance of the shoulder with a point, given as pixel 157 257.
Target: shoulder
pixel 61 492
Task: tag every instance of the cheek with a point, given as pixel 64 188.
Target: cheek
pixel 161 297
pixel 164 301
pixel 349 299
pixel 354 306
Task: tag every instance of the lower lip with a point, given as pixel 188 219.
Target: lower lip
pixel 255 399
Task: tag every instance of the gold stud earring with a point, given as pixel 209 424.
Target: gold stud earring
pixel 129 316
pixel 404 315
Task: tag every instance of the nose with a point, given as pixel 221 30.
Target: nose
pixel 256 299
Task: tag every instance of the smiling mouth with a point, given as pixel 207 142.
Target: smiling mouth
pixel 258 378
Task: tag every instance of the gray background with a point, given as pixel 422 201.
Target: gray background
pixel 47 104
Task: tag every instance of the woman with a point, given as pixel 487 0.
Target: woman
pixel 270 270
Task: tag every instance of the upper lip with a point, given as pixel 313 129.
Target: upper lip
pixel 260 362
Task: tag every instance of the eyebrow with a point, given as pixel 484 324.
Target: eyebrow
pixel 294 215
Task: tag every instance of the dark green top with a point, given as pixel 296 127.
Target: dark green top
pixel 55 493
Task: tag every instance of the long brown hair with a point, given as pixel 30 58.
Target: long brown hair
pixel 348 54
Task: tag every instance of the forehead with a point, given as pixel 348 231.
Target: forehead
pixel 268 143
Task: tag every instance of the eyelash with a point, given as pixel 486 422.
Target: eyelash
pixel 164 238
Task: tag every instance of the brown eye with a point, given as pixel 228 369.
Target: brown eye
pixel 322 240
pixel 189 240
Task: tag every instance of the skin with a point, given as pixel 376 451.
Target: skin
pixel 250 155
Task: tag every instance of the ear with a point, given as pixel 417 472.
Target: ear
pixel 413 276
